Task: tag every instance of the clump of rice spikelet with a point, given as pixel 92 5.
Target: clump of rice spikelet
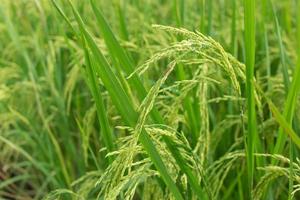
pixel 219 169
pixel 204 139
pixel 275 172
pixel 148 102
pixel 206 47
pixel 130 173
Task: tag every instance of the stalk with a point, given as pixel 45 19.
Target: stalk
pixel 249 21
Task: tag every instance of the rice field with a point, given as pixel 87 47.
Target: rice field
pixel 149 99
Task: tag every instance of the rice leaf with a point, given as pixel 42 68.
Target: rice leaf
pixel 249 21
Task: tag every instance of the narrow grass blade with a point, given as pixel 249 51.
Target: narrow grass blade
pixel 178 12
pixel 122 20
pixel 120 58
pixel 284 124
pixel 290 103
pixel 210 15
pixel 233 28
pixel 12 180
pixel 108 78
pixel 281 50
pixel 289 109
pixel 63 15
pixel 249 9
pixel 106 131
pixel 266 40
pixel 202 19
pixel 34 162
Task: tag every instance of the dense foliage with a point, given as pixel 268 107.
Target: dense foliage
pixel 149 99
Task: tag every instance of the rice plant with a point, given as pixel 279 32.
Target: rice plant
pixel 149 99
